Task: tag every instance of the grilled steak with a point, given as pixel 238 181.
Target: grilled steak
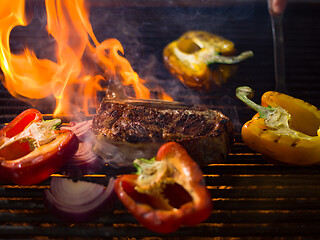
pixel 137 128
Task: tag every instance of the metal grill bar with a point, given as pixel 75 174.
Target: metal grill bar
pixel 253 198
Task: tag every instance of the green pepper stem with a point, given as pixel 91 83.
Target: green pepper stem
pixel 140 164
pixel 229 59
pixel 244 93
pixel 50 124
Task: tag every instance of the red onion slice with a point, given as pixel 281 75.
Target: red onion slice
pixel 78 201
pixel 85 161
pixel 83 129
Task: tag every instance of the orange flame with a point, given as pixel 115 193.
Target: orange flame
pixel 70 79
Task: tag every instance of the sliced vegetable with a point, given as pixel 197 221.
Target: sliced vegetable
pixel 84 161
pixel 18 124
pixel 167 191
pixel 32 149
pixel 78 201
pixel 82 129
pixel 201 60
pixel 285 129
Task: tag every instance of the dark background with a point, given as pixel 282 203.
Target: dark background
pixel 144 28
pixel 253 198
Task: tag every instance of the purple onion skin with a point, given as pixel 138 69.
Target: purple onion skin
pixel 83 130
pixel 78 170
pixel 84 161
pixel 85 212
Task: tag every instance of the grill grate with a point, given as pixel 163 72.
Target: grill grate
pixel 253 198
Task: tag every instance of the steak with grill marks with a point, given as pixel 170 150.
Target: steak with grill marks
pixel 139 127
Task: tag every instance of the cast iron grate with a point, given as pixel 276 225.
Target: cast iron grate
pixel 253 198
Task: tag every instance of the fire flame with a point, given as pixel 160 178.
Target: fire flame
pixel 82 63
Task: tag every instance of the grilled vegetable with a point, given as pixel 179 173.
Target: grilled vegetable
pixel 167 191
pixel 84 161
pixel 285 128
pixel 32 149
pixel 78 201
pixel 201 60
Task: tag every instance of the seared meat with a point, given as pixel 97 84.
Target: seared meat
pixel 139 127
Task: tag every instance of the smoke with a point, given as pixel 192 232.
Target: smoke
pixel 122 154
pixel 144 29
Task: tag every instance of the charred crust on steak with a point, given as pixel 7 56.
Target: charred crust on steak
pixel 206 134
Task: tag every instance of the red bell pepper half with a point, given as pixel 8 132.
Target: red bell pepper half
pixel 167 192
pixel 31 149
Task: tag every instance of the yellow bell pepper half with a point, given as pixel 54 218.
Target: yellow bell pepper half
pixel 285 128
pixel 201 60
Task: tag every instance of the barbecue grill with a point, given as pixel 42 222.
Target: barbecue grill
pixel 253 198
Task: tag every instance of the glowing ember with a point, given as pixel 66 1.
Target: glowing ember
pixel 71 79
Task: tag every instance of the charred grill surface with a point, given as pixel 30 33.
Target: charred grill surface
pixel 252 198
pixel 206 134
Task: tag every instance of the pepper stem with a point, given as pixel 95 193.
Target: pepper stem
pixel 51 124
pixel 141 163
pixel 245 93
pixel 229 59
